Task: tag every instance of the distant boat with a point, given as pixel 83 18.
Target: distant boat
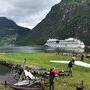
pixel 68 45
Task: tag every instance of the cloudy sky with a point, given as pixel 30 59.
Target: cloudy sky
pixel 27 13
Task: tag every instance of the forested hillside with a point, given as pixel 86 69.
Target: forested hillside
pixel 11 33
pixel 69 18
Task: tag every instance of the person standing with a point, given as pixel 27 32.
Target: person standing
pixel 5 84
pixel 70 65
pixel 51 79
pixel 82 57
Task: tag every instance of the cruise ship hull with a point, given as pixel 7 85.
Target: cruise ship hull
pixel 58 49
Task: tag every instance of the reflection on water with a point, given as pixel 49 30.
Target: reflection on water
pixel 29 49
pixel 4 69
pixel 6 75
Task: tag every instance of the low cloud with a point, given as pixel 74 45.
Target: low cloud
pixel 27 13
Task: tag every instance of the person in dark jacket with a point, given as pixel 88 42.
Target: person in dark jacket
pixel 51 79
pixel 82 58
pixel 70 65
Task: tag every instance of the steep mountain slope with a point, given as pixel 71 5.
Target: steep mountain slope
pixel 11 33
pixel 69 18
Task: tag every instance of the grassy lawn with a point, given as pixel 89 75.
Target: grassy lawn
pixel 42 59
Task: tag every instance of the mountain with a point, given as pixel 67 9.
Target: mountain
pixel 69 18
pixel 11 33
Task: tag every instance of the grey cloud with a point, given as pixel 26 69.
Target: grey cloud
pixel 26 12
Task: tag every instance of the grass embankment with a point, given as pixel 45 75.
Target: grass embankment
pixel 42 59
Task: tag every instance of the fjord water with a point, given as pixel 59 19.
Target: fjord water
pixel 4 69
pixel 4 73
pixel 23 49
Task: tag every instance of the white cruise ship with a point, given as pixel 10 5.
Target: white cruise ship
pixel 69 45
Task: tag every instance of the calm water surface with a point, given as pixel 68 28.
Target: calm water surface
pixel 5 74
pixel 25 49
pixel 4 69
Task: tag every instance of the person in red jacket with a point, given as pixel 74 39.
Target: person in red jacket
pixel 55 71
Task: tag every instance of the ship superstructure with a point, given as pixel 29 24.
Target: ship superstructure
pixel 70 44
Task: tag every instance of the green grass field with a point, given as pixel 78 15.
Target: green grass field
pixel 42 60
